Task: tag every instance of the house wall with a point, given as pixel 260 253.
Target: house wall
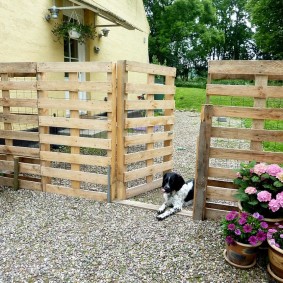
pixel 26 36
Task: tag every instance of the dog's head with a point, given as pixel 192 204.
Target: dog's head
pixel 172 182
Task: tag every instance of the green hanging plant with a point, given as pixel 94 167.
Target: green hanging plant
pixel 73 29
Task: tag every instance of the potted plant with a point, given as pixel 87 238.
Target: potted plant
pixel 73 29
pixel 275 252
pixel 260 189
pixel 244 233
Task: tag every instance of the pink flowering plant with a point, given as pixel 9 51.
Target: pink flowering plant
pixel 260 188
pixel 275 236
pixel 244 227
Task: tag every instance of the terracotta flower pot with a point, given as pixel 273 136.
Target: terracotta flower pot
pixel 241 255
pixel 275 266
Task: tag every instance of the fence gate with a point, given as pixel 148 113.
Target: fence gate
pixel 233 134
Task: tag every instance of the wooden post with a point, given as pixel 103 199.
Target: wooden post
pixel 74 132
pixel 261 83
pixel 16 173
pixel 122 78
pixel 202 163
pixel 111 97
pixel 150 129
pixel 43 130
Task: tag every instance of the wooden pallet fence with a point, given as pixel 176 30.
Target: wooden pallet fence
pixel 18 102
pixel 214 187
pixel 144 144
pixel 78 169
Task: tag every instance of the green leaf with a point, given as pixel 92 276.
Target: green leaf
pixel 253 202
pixel 277 184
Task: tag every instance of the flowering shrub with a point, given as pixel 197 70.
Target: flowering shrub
pixel 260 188
pixel 244 227
pixel 275 236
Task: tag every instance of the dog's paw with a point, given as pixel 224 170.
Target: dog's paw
pixel 160 217
pixel 160 211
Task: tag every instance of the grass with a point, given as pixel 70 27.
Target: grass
pixel 192 99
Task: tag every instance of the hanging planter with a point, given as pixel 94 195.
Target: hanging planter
pixel 74 29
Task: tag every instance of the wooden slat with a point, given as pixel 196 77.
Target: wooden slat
pixel 143 188
pixel 30 185
pixel 224 173
pixel 19 135
pixel 60 190
pixel 149 170
pixel 75 158
pixel 247 134
pixel 240 154
pixel 245 91
pixel 74 67
pixel 150 206
pixel 6 165
pixel 150 88
pixel 74 86
pixel 21 67
pixel 249 67
pixel 148 154
pixel 149 104
pixel 215 214
pixel 18 85
pixel 220 193
pixel 90 105
pixel 76 141
pixel 149 121
pixel 75 175
pixel 87 124
pixel 132 66
pixel 11 102
pixel 6 181
pixel 148 138
pixel 248 112
pixel 18 118
pixel 21 151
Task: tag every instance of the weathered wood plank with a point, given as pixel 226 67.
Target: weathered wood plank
pixel 247 134
pixel 248 67
pixel 148 138
pixel 132 66
pixel 214 172
pixel 18 85
pixel 218 193
pixel 76 141
pixel 60 190
pixel 19 67
pixel 146 171
pixel 149 104
pixel 74 67
pixel 75 175
pixel 150 88
pixel 19 135
pixel 21 151
pixel 89 105
pixel 17 102
pixel 149 121
pixel 248 112
pixel 75 158
pixel 88 124
pixel 148 154
pixel 18 118
pixel 143 188
pixel 245 91
pixel 246 155
pixel 74 86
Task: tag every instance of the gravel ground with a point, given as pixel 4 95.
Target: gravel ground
pixel 51 238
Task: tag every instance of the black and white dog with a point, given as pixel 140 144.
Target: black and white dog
pixel 177 193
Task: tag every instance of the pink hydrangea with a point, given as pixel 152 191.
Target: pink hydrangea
pixel 274 205
pixel 279 198
pixel 264 196
pixel 250 190
pixel 260 168
pixel 273 169
pixel 279 176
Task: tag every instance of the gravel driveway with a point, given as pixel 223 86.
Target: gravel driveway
pixel 51 238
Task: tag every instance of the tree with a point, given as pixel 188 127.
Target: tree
pixel 267 16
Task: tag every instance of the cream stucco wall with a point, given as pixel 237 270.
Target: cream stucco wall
pixel 25 35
